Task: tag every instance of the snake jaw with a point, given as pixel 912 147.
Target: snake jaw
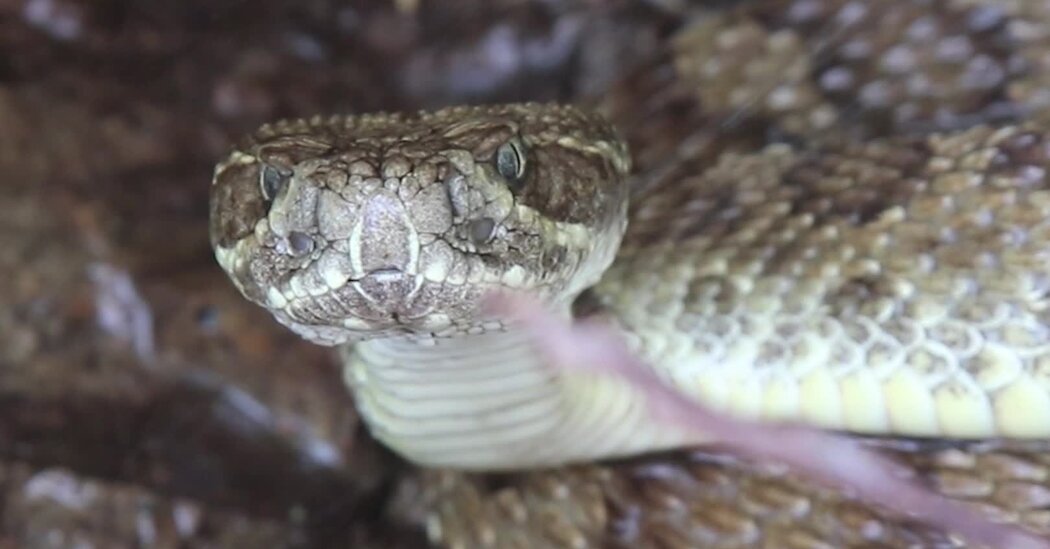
pixel 358 228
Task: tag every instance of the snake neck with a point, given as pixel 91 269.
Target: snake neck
pixel 489 402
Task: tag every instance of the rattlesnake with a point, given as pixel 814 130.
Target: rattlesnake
pixel 868 262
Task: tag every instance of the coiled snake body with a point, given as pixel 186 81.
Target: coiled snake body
pixel 893 285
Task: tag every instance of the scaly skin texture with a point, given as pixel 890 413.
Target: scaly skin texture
pixel 383 224
pixel 833 267
pixel 710 499
pixel 715 504
pixel 893 286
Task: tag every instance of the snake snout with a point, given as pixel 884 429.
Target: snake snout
pixel 387 243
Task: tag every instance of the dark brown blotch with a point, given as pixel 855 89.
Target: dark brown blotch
pixel 236 204
pixel 570 186
pixel 854 182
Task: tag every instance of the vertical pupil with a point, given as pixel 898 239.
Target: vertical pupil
pixel 271 182
pixel 507 162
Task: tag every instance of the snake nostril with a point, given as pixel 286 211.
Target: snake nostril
pixel 300 243
pixel 481 230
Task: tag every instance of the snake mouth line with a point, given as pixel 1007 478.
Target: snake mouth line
pixel 384 274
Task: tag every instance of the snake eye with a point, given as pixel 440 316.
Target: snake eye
pixel 510 161
pixel 271 180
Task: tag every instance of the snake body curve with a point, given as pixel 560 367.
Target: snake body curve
pixel 891 285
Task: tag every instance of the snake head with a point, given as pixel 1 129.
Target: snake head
pixel 352 228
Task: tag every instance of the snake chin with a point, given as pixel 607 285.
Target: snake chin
pixel 361 228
